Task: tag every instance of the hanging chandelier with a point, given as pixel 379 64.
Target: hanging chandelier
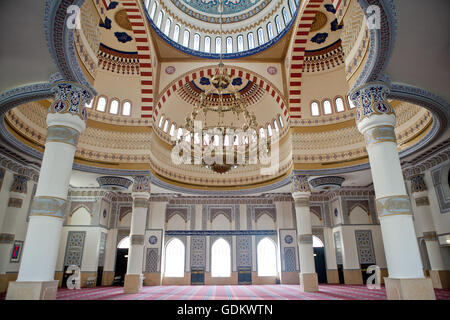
pixel 221 133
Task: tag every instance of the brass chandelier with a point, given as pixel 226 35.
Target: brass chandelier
pixel 227 144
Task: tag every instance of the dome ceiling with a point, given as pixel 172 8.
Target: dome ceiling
pixel 208 10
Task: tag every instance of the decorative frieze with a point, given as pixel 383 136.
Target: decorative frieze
pixel 63 135
pixel 48 206
pixel 393 205
pixel 380 134
pixel 305 238
pixel 140 203
pixel 302 202
pixel 15 202
pixel 422 201
pixel 137 239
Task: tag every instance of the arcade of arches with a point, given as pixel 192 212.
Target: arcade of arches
pixel 94 95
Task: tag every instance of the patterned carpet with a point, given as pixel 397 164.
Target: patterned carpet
pixel 241 292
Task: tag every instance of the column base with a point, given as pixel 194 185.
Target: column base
pixel 440 279
pixel 409 289
pixel 309 282
pixel 353 276
pixel 32 290
pixel 332 276
pixel 133 283
pixel 289 278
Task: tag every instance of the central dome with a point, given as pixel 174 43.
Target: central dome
pixel 233 10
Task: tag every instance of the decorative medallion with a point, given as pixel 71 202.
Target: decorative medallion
pixel 288 239
pixel 319 22
pixel 320 38
pixel 272 70
pixel 170 70
pixel 153 240
pixel 122 37
pixel 121 18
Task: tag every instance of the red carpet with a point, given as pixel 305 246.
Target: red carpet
pixel 241 292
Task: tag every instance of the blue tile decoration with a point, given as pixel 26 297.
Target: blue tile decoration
pixel 112 5
pixel 335 26
pixel 151 261
pixel 106 24
pixel 122 37
pixel 289 259
pixel 366 253
pixel 236 82
pixel 320 37
pixel 330 8
pixel 204 81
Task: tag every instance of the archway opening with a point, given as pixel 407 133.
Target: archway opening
pixel 220 259
pixel 174 266
pixel 267 258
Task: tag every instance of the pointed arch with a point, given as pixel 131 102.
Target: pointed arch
pixel 221 258
pixel 266 252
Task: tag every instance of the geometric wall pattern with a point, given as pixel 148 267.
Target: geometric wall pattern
pixel 198 253
pixel 101 249
pixel 74 248
pixel 289 259
pixel 366 253
pixel 151 261
pixel 244 251
pixel 338 246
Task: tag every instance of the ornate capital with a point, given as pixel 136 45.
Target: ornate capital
pixel 141 184
pixel 380 134
pixel 299 184
pixel 70 98
pixel 418 183
pixel 19 184
pixel 370 99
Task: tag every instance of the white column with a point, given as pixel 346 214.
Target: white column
pixel 141 195
pixel 66 120
pixel 424 222
pixel 376 120
pixel 301 193
pixel 17 195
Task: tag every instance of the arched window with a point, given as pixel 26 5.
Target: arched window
pixel 101 104
pixel 251 43
pixel 114 107
pixel 229 45
pixel 315 109
pixel 218 45
pixel 89 105
pixel 159 20
pixel 285 16
pixel 350 103
pixel 269 130
pixel 124 243
pixel 172 130
pixel 281 121
pixel 207 44
pixel 126 108
pixel 240 43
pixel 292 7
pixel 270 30
pixel 267 258
pixel 196 41
pixel 317 243
pixel 327 107
pixel 152 13
pixel 179 132
pixel 339 104
pixel 186 38
pixel 220 259
pixel 161 121
pixel 278 24
pixel 174 259
pixel 260 36
pixel 167 28
pixel 262 134
pixel 275 125
pixel 166 125
pixel 176 33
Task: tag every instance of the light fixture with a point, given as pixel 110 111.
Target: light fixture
pixel 230 136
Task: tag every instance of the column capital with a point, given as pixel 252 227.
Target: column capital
pixel 68 107
pixel 418 183
pixel 141 184
pixel 19 184
pixel 300 185
pixel 373 109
